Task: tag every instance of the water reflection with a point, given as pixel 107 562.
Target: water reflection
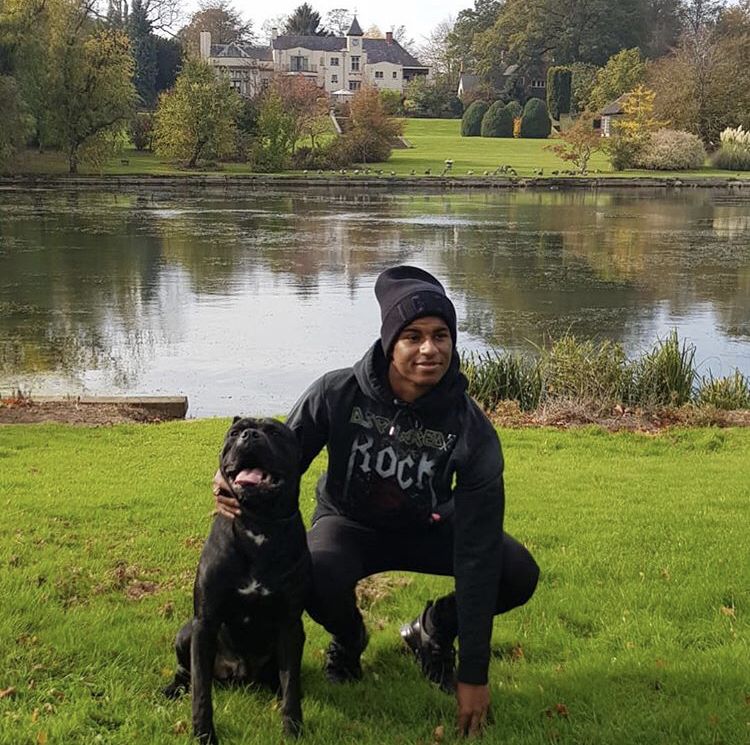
pixel 239 301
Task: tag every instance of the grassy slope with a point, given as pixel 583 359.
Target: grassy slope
pixel 638 630
pixel 434 140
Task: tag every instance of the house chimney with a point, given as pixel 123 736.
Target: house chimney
pixel 274 33
pixel 389 37
pixel 205 44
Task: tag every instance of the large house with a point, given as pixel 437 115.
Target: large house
pixel 335 63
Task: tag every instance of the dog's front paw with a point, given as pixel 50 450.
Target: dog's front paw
pixel 292 726
pixel 174 690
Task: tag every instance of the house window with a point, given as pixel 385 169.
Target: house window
pixel 537 83
pixel 334 78
pixel 378 73
pixel 322 61
pixel 298 64
pixel 355 64
pixel 395 75
pixel 236 85
pixel 264 83
pixel 334 61
pixel 354 85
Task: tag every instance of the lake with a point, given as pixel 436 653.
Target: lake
pixel 240 300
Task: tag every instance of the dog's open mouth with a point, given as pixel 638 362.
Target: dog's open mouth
pixel 254 477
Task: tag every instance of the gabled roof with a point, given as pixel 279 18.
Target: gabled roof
pixel 314 43
pixel 613 108
pixel 263 54
pixel 380 50
pixel 355 29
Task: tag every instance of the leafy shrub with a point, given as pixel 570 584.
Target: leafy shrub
pixel 672 150
pixel 497 121
pixel 471 122
pixel 728 393
pixel 535 122
pixel 517 127
pixel 623 151
pixel 559 80
pixel 392 101
pixel 515 109
pixel 141 130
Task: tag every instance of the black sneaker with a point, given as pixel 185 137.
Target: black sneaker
pixel 437 658
pixel 342 663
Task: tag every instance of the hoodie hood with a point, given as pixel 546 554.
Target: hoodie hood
pixel 372 375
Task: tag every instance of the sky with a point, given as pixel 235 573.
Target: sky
pixel 419 16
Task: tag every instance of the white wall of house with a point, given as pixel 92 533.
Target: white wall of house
pixel 385 76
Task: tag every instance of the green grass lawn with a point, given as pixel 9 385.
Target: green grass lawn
pixel 433 140
pixel 638 632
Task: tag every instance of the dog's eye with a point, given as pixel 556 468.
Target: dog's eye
pixel 233 432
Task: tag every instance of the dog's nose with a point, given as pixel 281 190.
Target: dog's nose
pixel 250 434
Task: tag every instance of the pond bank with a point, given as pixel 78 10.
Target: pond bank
pixel 253 182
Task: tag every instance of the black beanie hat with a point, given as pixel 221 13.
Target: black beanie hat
pixel 406 293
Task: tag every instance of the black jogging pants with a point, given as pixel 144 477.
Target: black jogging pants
pixel 344 552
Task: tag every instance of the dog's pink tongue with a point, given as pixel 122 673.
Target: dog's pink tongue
pixel 249 476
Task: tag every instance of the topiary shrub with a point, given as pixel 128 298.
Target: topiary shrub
pixel 514 109
pixel 471 121
pixel 497 121
pixel 558 91
pixel 672 150
pixel 535 122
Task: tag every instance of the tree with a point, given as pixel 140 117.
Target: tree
pixel 402 37
pixel 161 15
pixel 578 144
pixel 704 86
pixel 572 31
pixel 13 123
pixel 374 32
pixel 198 117
pixel 623 72
pixel 304 103
pixel 535 122
pixel 663 26
pixel 432 99
pixel 471 122
pixel 371 132
pixel 558 91
pixel 435 51
pixel 583 80
pixel 90 94
pixel 633 131
pixel 304 21
pixel 497 121
pixel 277 23
pixel 168 61
pixel 338 21
pixel 469 23
pixel 143 46
pixel 274 136
pixel 218 17
pixel 698 16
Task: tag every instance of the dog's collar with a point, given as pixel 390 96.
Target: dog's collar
pixel 256 518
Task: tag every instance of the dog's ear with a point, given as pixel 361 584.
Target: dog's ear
pixel 236 419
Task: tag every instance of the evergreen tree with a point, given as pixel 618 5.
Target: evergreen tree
pixel 143 46
pixel 304 21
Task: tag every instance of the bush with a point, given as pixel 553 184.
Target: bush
pixel 501 376
pixel 514 109
pixel 734 153
pixel 497 121
pixel 731 158
pixel 672 150
pixel 665 375
pixel 535 122
pixel 559 81
pixel 471 122
pixel 141 130
pixel 392 101
pixel 623 152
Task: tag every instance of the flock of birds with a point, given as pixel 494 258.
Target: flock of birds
pixel 503 170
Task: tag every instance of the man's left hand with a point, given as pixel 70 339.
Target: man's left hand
pixel 473 708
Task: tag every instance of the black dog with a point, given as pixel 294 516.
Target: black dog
pixel 252 581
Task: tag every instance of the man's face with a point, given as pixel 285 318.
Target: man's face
pixel 422 353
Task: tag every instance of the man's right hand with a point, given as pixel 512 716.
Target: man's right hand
pixel 225 505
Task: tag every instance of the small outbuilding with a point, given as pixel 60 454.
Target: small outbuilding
pixel 611 113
